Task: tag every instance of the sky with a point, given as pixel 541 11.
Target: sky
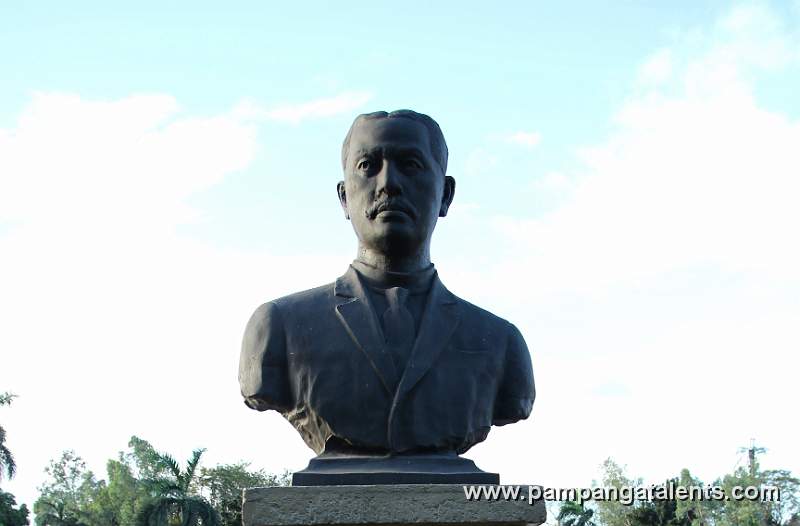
pixel 627 189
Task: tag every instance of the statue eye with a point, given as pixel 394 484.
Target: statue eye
pixel 413 163
pixel 364 165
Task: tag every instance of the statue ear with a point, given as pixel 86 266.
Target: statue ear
pixel 447 195
pixel 342 198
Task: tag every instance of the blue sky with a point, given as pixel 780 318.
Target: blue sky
pixel 626 195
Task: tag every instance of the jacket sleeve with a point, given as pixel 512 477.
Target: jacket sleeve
pixel 516 394
pixel 263 375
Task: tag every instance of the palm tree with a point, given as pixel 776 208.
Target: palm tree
pixel 55 513
pixel 573 513
pixel 7 464
pixel 173 501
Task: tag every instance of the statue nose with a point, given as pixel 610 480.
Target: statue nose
pixel 389 178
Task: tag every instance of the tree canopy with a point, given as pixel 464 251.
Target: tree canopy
pixel 145 487
pixel 7 464
pixel 693 512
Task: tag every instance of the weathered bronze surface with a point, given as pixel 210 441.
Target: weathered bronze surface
pixel 386 365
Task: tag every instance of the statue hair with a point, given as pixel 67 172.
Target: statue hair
pixel 438 144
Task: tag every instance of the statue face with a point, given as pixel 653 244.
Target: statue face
pixel 394 190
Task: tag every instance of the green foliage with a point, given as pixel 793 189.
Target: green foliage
pixel 55 513
pixel 186 511
pixel 758 513
pixel 574 513
pixel 785 512
pixel 146 461
pixel 614 513
pixel 173 491
pixel 695 512
pixel 146 487
pixel 658 513
pixel 117 502
pixel 9 515
pixel 65 499
pixel 7 464
pixel 224 485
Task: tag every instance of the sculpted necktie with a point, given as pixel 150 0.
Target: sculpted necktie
pixel 398 326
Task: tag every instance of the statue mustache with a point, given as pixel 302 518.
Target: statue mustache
pixel 390 204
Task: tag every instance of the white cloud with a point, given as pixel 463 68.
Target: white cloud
pixel 657 69
pixel 552 182
pixel 479 162
pixel 130 160
pixel 111 319
pixel 671 272
pixel 702 176
pixel 295 113
pixel 522 138
pixel 747 41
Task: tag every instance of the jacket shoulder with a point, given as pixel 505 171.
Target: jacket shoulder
pixel 471 313
pixel 305 298
pixel 288 307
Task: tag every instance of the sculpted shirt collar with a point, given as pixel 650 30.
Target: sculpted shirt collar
pixel 416 282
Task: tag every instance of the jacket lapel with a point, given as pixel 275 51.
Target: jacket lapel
pixel 358 317
pixel 439 320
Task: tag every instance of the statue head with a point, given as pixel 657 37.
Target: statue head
pixel 395 185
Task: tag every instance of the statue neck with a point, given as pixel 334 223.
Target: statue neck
pixel 407 263
pixel 379 279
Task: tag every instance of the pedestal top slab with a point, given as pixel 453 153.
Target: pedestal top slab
pixel 386 505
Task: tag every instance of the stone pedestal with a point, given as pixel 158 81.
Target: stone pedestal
pixel 386 505
pixel 368 470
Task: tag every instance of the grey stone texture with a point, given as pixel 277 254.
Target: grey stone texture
pixel 386 505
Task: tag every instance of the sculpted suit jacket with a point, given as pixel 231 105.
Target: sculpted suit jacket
pixel 318 357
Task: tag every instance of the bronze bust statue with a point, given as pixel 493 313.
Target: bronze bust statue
pixel 385 365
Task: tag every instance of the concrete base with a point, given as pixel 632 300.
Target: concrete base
pixel 385 505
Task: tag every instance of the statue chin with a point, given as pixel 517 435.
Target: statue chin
pixel 394 243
